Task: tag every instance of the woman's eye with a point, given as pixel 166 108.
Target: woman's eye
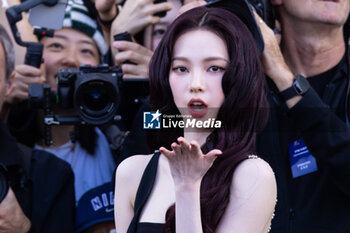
pixel 216 69
pixel 158 32
pixel 180 69
pixel 86 51
pixel 55 46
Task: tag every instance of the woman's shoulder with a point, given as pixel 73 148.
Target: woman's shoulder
pixel 251 175
pixel 253 196
pixel 133 165
pixel 129 174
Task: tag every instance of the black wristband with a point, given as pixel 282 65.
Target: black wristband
pixel 123 36
pixel 299 87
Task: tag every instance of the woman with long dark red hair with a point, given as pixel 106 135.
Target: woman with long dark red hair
pixel 201 179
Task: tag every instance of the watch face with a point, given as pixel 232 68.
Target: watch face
pixel 298 88
pixel 301 85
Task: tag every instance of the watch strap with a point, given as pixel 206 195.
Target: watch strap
pixel 299 87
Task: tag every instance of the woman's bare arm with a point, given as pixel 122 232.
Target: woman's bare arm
pixel 252 199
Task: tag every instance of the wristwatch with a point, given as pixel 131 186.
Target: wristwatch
pixel 299 87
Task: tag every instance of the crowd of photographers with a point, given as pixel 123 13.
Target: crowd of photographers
pixel 68 186
pixel 43 182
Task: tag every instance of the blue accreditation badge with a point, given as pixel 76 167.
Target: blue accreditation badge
pixel 301 160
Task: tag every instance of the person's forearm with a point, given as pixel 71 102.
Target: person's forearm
pixel 188 211
pixel 284 81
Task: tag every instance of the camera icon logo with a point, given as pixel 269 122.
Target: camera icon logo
pixel 151 120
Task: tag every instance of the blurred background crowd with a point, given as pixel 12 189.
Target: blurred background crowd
pixel 61 177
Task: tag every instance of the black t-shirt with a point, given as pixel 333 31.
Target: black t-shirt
pixel 319 82
pixel 314 202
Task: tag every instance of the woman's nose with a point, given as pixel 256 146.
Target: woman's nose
pixel 197 83
pixel 71 59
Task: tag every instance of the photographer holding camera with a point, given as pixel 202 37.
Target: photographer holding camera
pixel 307 141
pixel 134 17
pixel 37 188
pixel 136 32
pixel 79 42
pixel 11 214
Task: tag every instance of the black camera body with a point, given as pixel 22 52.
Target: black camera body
pixel 265 10
pixel 243 9
pixel 239 7
pixel 92 91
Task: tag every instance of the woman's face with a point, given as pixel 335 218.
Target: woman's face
pixel 198 65
pixel 154 33
pixel 68 48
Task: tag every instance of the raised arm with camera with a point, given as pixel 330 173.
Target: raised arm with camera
pixel 133 57
pixel 136 15
pixel 84 146
pixel 309 94
pixel 24 175
pixel 311 111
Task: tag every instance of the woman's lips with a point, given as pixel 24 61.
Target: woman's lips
pixel 197 108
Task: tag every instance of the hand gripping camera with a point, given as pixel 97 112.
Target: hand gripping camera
pixel 93 91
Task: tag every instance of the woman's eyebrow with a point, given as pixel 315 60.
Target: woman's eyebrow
pixel 206 59
pixel 216 58
pixel 179 58
pixel 80 41
pixel 60 37
pixel 86 42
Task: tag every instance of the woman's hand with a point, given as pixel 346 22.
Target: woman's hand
pixel 273 61
pixel 135 53
pixel 136 15
pixel 12 218
pixel 21 78
pixel 274 64
pixel 188 164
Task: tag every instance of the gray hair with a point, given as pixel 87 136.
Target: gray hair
pixel 9 52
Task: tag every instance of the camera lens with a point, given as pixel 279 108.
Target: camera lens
pixel 95 96
pixel 96 99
